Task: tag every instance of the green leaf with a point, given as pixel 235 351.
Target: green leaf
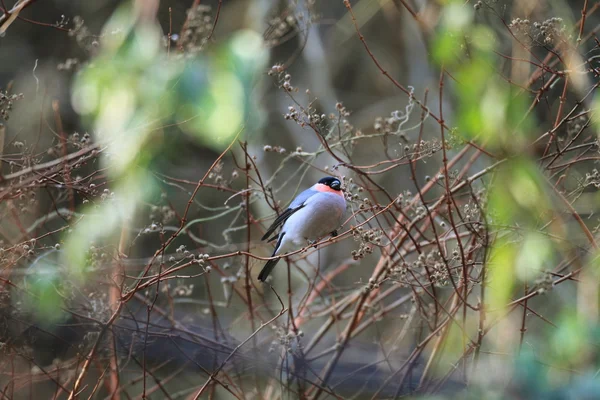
pixel 501 269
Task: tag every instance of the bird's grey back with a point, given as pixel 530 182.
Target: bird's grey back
pixel 302 197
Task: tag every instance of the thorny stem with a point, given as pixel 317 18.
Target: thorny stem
pixel 405 235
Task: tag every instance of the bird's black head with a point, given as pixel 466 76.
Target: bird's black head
pixel 332 182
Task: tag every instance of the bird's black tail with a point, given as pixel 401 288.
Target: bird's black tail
pixel 264 273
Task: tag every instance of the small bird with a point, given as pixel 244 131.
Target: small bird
pixel 314 213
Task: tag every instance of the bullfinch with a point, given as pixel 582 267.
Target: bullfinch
pixel 314 213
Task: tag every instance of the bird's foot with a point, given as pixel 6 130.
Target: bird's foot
pixel 312 243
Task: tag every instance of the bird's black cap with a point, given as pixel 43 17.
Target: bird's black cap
pixel 332 182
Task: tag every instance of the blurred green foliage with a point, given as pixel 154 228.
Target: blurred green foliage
pixel 132 91
pixel 137 90
pixel 491 112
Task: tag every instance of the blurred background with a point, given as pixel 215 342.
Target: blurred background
pixel 147 145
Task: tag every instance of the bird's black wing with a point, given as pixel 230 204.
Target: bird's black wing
pixel 280 220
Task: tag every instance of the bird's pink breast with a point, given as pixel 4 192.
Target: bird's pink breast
pixel 326 189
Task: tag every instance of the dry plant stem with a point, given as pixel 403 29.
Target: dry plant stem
pixel 343 342
pixel 396 83
pixel 569 276
pixel 448 198
pixel 213 374
pixel 41 120
pixel 317 290
pixel 523 318
pixel 582 21
pixel 114 296
pixel 577 217
pixel 563 98
pixel 187 182
pixel 438 343
pixel 9 16
pixel 334 316
pixel 537 74
pixel 413 171
pixel 63 144
pixel 170 34
pixel 2 138
pixel 441 226
pixel 378 270
pixel 507 310
pixel 128 295
pixel 470 179
pixel 212 30
pixel 95 149
pixel 382 313
pixel 161 383
pixel 97 385
pixel 249 221
pixel 347 333
pixel 481 300
pixel 412 13
pixel 465 281
pixel 90 356
pixel 415 353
